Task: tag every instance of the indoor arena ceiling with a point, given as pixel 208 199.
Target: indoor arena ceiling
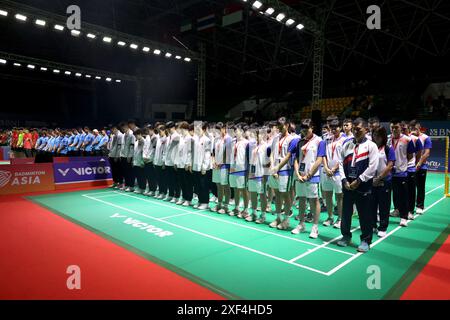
pixel 258 46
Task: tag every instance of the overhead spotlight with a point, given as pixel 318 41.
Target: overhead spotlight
pixel 269 11
pixel 3 61
pixel 178 57
pixel 88 76
pixel 44 69
pixel 21 17
pixel 56 71
pixel 290 22
pixel 257 4
pixel 91 36
pixel 133 46
pixel 40 22
pixel 157 51
pixel 187 59
pixel 121 43
pixel 98 78
pixel 118 80
pixel 78 74
pixel 3 13
pixel 17 64
pixel 67 73
pixel 30 66
pixel 107 39
pixel 280 17
pixel 108 79
pixel 300 26
pixel 59 27
pixel 168 55
pixel 146 49
pixel 75 33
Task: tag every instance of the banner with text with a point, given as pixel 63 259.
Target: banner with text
pixel 82 171
pixel 26 178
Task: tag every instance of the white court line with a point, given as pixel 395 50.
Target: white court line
pixel 174 216
pixel 329 273
pixel 434 189
pixel 322 246
pixel 236 224
pixel 105 192
pixel 106 196
pixel 337 238
pixel 209 236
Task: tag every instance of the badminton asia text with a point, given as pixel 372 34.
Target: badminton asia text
pixel 235 309
pixel 142 226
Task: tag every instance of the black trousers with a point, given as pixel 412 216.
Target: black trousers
pixel 150 176
pixel 201 187
pixel 161 179
pixel 172 182
pixel 362 202
pixel 115 170
pixel 411 191
pixel 400 195
pixel 187 184
pixel 28 153
pixel 381 203
pixel 139 173
pixel 421 178
pixel 127 171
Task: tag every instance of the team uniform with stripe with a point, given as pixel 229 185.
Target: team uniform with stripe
pixel 334 157
pixel 239 163
pixel 222 156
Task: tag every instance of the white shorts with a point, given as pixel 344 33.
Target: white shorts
pixel 307 189
pixel 284 183
pixel 273 183
pixel 331 184
pixel 237 181
pixel 255 185
pixel 220 176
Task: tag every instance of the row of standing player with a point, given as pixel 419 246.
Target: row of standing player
pixel 174 161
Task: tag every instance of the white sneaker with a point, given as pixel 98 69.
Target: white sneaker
pixel 167 198
pixel 161 196
pixel 274 223
pixel 138 191
pixel 395 213
pixel 213 199
pixel 195 206
pixel 129 189
pixel 174 200
pixel 251 218
pixel 381 234
pixel 244 214
pixel 284 225
pixel 180 202
pixel 203 206
pixel 410 216
pixel 403 222
pixel 215 209
pixel 337 225
pixel 314 232
pixel 151 194
pixel 299 229
pixel 223 210
pixel 261 220
pixel 186 204
pixel 419 210
pixel 328 222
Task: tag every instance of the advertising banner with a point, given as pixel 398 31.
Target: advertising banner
pixel 81 171
pixel 26 178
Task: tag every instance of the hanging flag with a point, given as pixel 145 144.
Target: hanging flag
pixel 232 18
pixel 207 22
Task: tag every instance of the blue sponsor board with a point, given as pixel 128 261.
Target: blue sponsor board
pixel 81 171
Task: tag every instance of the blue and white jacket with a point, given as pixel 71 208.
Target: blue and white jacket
pixel 363 157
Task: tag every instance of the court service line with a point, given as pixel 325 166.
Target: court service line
pixel 329 273
pixel 209 236
pixel 339 237
pixel 175 215
pixel 236 224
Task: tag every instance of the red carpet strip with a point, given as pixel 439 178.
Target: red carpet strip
pixel 37 246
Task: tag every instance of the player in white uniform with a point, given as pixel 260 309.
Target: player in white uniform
pixel 221 167
pixel 308 158
pixel 160 151
pixel 201 165
pixel 259 166
pixel 238 171
pixel 281 169
pixel 183 163
pixel 138 161
pixel 330 178
pixel 149 156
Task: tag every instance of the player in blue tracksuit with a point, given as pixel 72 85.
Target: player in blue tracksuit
pixel 100 149
pixel 359 166
pixel 87 143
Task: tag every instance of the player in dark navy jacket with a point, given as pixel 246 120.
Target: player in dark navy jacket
pixel 360 162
